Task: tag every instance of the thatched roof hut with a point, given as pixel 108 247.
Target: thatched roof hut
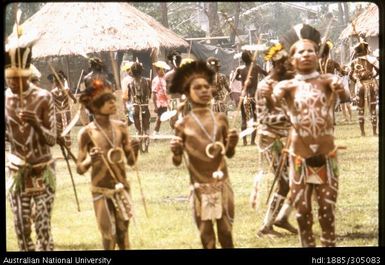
pixel 72 28
pixel 367 24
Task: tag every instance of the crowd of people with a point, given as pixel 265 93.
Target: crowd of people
pixel 291 110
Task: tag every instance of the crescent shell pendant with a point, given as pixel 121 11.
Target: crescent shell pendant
pixel 209 146
pixel 111 151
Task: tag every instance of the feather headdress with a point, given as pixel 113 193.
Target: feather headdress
pixel 213 62
pixel 96 62
pixel 175 57
pixel 95 88
pixel 137 69
pixel 298 32
pixel 18 52
pixel 60 74
pixel 187 72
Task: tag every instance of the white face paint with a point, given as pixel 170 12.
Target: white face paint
pixel 305 57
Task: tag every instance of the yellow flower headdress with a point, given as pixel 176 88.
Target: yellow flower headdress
pixel 330 44
pixel 275 52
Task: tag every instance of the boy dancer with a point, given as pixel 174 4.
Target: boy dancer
pixel 107 142
pixel 206 139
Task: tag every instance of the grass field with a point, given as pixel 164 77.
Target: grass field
pixel 166 188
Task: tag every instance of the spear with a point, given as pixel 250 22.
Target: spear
pixel 80 79
pixel 72 178
pixel 114 175
pixel 18 34
pixel 62 146
pixel 281 163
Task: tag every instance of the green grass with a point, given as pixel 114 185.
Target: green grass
pixel 170 224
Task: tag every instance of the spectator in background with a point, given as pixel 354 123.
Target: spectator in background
pixel 221 86
pixel 235 88
pixel 159 92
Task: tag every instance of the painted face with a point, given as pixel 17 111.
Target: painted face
pixel 305 57
pixel 108 107
pixel 200 91
pixel 15 82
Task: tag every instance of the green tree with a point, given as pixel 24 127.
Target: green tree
pixel 180 16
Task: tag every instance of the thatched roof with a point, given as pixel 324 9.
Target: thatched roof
pixel 367 23
pixel 79 28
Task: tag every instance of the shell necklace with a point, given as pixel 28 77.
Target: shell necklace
pixel 301 77
pixel 217 174
pixel 115 154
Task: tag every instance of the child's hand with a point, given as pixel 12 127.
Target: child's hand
pixel 95 153
pixel 135 144
pixel 232 138
pixel 60 140
pixel 29 117
pixel 176 145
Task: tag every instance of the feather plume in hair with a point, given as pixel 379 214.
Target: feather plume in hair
pixel 187 72
pixel 174 57
pixel 18 52
pixel 137 69
pixel 95 88
pixel 298 32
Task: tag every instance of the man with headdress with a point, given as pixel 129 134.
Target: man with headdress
pixel 103 143
pixel 175 58
pixel 159 91
pixel 273 128
pixel 30 129
pixel 139 94
pixel 97 71
pixel 249 77
pixel 205 137
pixel 308 99
pixel 61 94
pixel 222 88
pixel 363 71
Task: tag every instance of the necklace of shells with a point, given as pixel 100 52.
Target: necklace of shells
pixel 115 154
pixel 218 174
